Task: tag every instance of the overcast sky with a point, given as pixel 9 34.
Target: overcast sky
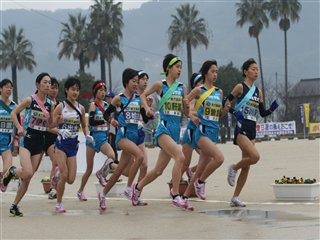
pixel 53 5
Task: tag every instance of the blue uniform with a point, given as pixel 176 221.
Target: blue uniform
pixel 189 135
pixel 6 128
pixel 170 113
pixel 100 132
pixel 129 119
pixel 71 121
pixel 209 113
pixel 250 114
pixel 36 124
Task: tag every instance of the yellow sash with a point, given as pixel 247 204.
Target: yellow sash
pixel 204 97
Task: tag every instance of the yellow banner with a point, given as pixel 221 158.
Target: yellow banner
pixel 306 113
pixel 314 128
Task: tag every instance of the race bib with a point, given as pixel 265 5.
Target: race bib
pixel 132 114
pixel 73 125
pixel 6 124
pixel 250 111
pixel 173 106
pixel 211 110
pixel 38 121
pixel 102 127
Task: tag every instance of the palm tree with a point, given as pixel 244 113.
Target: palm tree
pixel 74 40
pixel 286 10
pixel 187 28
pixel 253 12
pixel 16 52
pixel 105 27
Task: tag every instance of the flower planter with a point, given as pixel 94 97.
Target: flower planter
pixel 46 186
pixel 182 188
pixel 116 191
pixel 296 192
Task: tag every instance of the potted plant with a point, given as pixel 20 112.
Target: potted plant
pixel 46 182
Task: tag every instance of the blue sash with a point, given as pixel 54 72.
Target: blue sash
pixel 246 98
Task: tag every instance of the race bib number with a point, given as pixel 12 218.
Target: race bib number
pixel 211 110
pixel 173 106
pixel 73 125
pixel 38 121
pixel 102 127
pixel 132 114
pixel 250 111
pixel 6 124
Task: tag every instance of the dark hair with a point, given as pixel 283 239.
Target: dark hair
pixel 142 74
pixel 95 90
pixel 54 81
pixel 166 62
pixel 206 66
pixel 246 65
pixel 128 74
pixel 195 78
pixel 42 75
pixel 4 82
pixel 71 81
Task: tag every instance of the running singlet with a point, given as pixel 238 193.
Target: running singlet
pixel 6 124
pixel 209 111
pixel 172 109
pixel 130 116
pixel 71 120
pixel 98 116
pixel 251 108
pixel 35 119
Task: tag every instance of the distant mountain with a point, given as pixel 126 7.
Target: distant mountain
pixel 145 42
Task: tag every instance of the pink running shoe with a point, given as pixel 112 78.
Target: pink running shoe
pixel 199 189
pixel 187 204
pixel 135 195
pixel 60 208
pixel 81 196
pixel 141 202
pixel 102 201
pixel 101 179
pixel 177 201
pixel 128 193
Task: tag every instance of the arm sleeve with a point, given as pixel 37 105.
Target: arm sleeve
pixel 263 111
pixel 94 122
pixel 108 112
pixel 145 118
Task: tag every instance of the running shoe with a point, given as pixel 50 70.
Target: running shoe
pixel 106 167
pixel 135 195
pixel 8 176
pixel 189 174
pixel 187 204
pixel 101 179
pixel 15 212
pixel 236 202
pixel 81 196
pixel 128 193
pixel 52 194
pixel 102 200
pixel 231 175
pixel 199 189
pixel 60 208
pixel 177 201
pixel 55 178
pixel 2 187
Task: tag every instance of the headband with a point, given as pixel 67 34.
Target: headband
pixel 99 85
pixel 141 72
pixel 171 63
pixel 197 79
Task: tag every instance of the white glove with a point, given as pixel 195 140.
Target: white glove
pixel 90 139
pixel 65 133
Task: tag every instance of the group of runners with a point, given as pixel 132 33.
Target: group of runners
pixel 53 127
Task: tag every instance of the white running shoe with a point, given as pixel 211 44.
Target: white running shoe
pixel 231 175
pixel 128 193
pixel 102 201
pixel 236 202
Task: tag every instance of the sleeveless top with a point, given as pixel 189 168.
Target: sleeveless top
pixel 35 120
pixel 71 119
pixel 98 116
pixel 209 111
pixel 130 116
pixel 251 108
pixel 171 112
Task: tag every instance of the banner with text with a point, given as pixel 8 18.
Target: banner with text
pixel 276 128
pixel 314 128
